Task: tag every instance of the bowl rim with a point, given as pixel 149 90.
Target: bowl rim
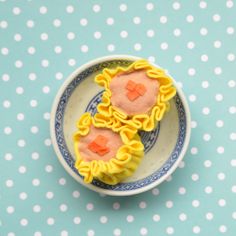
pixel 74 175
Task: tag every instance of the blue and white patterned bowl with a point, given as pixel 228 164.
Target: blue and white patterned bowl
pixel 164 147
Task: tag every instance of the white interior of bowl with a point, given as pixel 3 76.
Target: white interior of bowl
pixel 152 161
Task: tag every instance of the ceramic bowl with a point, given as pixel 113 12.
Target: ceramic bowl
pixel 164 147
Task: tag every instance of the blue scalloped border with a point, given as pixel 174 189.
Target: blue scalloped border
pixel 70 161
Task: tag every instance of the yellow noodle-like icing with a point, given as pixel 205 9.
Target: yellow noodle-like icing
pixel 145 121
pixel 117 168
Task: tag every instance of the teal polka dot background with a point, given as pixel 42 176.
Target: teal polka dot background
pixel 42 42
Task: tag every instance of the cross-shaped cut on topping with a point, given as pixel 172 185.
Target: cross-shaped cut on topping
pixel 135 90
pixel 98 145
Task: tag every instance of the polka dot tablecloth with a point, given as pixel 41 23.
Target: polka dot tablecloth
pixel 42 42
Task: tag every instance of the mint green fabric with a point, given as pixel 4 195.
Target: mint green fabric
pixel 42 42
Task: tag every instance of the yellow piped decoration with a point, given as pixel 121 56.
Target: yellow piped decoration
pixel 146 121
pixel 117 168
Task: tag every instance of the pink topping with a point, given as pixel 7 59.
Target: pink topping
pixel 141 100
pixel 108 143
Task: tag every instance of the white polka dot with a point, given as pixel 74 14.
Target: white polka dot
pixel 103 219
pixel 177 32
pixel 169 204
pixel 151 59
pixel 221 176
pixel 84 48
pixel 48 168
pixel 149 6
pixel 204 58
pixel 196 229
pixel 192 98
pixel 208 189
pixel 57 23
pixel 219 123
pixel 164 46
pixel 48 142
pixel 24 222
pixel 110 47
pixel 217 44
pixel 218 70
pixel 170 230
pixel 191 45
pixel 43 10
pixel 156 217
pixel 97 35
pixel 50 221
pixel 3 24
pixel 64 233
pixel 18 64
pixel 33 103
pixel 44 63
pixel 59 76
pixel 232 110
pixel 46 89
pixel 35 156
pixel 8 157
pixel 229 4
pixel 21 143
pixel 155 191
pixel 191 71
pixel 31 50
pixel 182 190
pixel 71 36
pixel 49 195
pixel 234 215
pixel 137 47
pixel 163 19
pixel 7 130
pixel 233 162
pixel 110 21
pixel 209 216
pixel 10 209
pixel 130 218
pixel 230 30
pixel 222 202
pixel 230 57
pixel 117 232
pixel 189 18
pixel 233 189
pixel 89 206
pixel 62 181
pixel 77 220
pixel 195 177
pixel 23 196
pixel 232 136
pixel 178 58
pixel 44 36
pixel 232 83
pixel 123 34
pixel 22 169
pixel 5 77
pixel 20 116
pixel 203 4
pixel 19 90
pixel 176 5
pixel 169 178
pixel 220 150
pixel 137 20
pixel 36 208
pixel 4 51
pixel 32 76
pixel 142 205
pixel 83 22
pixel 194 150
pixel 206 110
pixel 195 203
pixel 222 228
pixel 219 97
pixel 36 182
pixel 76 194
pixel 34 129
pixel 70 9
pixel 123 7
pixel 216 17
pixel 183 217
pixel 193 124
pixel 116 206
pixel 203 31
pixel 58 49
pixel 63 207
pixel 143 231
pixel 207 163
pixel 96 8
pixel 16 10
pixel 90 232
